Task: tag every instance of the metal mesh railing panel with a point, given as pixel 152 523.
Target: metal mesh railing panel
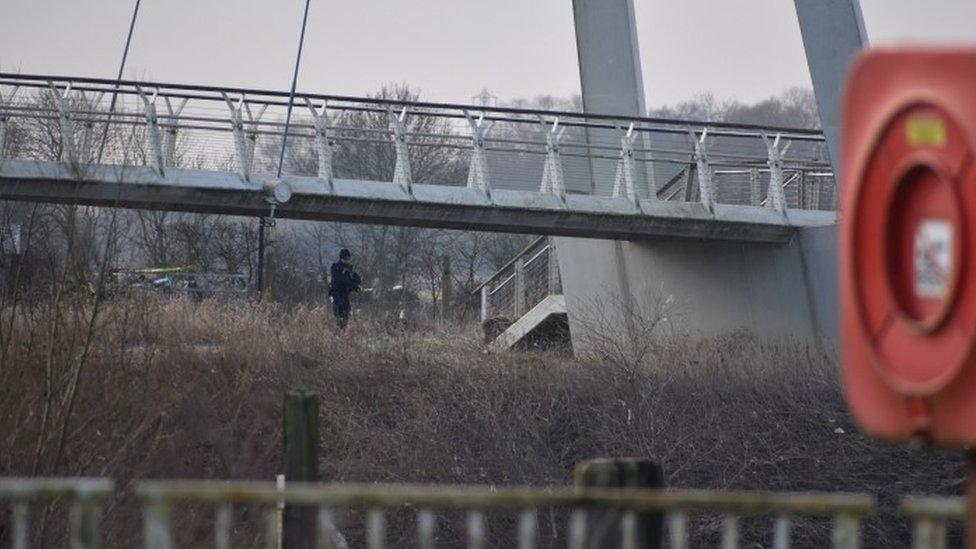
pixel 523 283
pixel 439 140
pixel 537 278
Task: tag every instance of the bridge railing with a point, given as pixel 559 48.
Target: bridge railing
pixel 84 496
pixel 930 516
pixel 84 120
pixel 427 502
pixel 522 283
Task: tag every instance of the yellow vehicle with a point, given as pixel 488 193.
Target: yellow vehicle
pixel 180 279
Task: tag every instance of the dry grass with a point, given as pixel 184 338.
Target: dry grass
pixel 174 389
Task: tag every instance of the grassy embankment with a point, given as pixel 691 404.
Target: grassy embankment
pixel 174 389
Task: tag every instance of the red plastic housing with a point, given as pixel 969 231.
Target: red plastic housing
pixel 908 244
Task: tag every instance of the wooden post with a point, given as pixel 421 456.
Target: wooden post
pixel 604 526
pixel 301 441
pixel 484 303
pixel 445 289
pixel 260 266
pixel 268 269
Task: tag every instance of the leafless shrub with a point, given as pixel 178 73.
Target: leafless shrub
pixel 178 389
pixel 624 334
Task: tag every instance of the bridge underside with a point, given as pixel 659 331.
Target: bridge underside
pixel 378 202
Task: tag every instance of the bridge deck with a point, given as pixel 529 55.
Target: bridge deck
pixel 367 160
pixel 387 203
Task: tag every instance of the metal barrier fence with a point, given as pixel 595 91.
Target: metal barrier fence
pixel 930 517
pixel 846 510
pixel 84 496
pixel 85 120
pixel 522 283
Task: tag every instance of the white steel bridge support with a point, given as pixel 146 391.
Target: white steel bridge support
pixel 709 287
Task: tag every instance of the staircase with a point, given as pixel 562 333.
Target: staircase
pixel 522 303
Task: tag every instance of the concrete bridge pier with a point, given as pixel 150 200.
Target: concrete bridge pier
pixel 705 287
pixel 701 288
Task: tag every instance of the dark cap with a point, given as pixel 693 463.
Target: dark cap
pixel 344 254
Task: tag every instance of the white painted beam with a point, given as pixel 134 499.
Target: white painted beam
pixel 833 32
pixel 378 202
pixel 610 75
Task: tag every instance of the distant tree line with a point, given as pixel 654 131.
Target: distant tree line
pixel 794 107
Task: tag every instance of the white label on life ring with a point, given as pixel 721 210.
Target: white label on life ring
pixel 933 258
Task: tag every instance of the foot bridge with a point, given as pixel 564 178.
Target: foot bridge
pixel 206 149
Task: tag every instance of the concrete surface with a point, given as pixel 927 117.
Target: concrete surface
pixel 523 327
pixel 784 290
pixel 787 289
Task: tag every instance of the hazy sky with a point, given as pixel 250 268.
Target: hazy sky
pixel 449 49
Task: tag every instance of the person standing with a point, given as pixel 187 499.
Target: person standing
pixel 343 280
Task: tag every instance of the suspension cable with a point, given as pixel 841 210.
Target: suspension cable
pixel 262 222
pixel 291 95
pixel 118 80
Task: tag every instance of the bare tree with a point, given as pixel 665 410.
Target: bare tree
pixel 386 255
pixel 794 107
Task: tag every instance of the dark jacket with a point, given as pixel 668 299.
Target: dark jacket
pixel 342 280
